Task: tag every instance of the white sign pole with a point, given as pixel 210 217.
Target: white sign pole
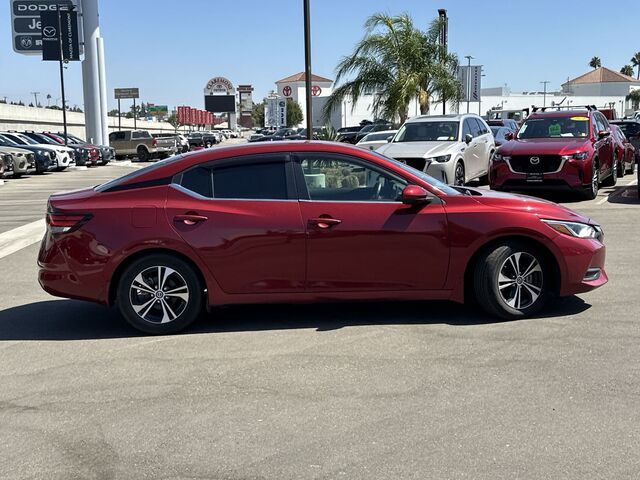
pixel 94 116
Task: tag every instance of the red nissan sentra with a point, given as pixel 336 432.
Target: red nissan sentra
pixel 306 222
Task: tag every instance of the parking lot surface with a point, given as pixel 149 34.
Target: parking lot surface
pixel 359 391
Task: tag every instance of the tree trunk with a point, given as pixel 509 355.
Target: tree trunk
pixel 423 100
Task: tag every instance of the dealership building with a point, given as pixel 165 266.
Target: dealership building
pixel 601 87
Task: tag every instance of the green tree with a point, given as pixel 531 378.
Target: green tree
pixel 113 113
pixel 627 70
pixel 257 114
pixel 397 62
pixel 294 113
pixel 635 61
pixel 173 121
pixel 635 99
pixel 595 62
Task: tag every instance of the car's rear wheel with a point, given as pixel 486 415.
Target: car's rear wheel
pixel 632 167
pixel 622 168
pixel 458 174
pixel 159 294
pixel 143 154
pixel 511 281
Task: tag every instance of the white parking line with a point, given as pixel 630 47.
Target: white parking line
pixel 21 237
pixel 616 192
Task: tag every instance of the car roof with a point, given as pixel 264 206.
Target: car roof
pixel 435 118
pixel 562 113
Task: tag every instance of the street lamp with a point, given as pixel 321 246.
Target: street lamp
pixel 469 58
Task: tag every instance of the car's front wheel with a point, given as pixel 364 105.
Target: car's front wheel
pixel 512 280
pixel 459 175
pixel 159 294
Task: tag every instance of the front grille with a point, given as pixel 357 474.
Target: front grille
pixel 547 163
pixel 417 163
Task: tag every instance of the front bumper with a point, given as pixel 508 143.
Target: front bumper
pixel 582 268
pixel 573 175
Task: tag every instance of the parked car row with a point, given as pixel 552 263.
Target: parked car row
pixel 38 152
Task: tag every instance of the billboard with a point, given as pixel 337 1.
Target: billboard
pixel 60 30
pixel 220 103
pixel 158 110
pixel 470 81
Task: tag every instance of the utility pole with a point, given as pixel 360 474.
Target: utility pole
pixel 544 94
pixel 307 68
pixel 469 58
pixel 443 41
pixel 35 95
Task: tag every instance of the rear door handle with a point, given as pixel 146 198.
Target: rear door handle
pixel 324 222
pixel 190 219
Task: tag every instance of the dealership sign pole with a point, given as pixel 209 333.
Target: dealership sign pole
pixel 59 29
pixel 307 68
pixel 126 93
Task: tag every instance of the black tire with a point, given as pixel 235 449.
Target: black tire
pixel 496 265
pixel 154 305
pixel 612 179
pixel 591 191
pixel 632 167
pixel 143 154
pixel 208 144
pixel 622 169
pixel 459 174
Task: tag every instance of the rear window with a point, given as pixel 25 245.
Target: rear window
pixel 630 129
pixel 137 173
pixel 266 181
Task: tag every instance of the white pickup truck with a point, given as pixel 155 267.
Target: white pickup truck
pixel 141 144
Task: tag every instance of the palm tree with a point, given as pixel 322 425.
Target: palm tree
pixel 634 97
pixel 627 70
pixel 397 62
pixel 595 62
pixel 635 61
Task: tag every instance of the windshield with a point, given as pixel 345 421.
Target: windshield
pixel 75 139
pixel 555 127
pixel 6 142
pixel 630 129
pixel 25 139
pixel 117 181
pixel 15 139
pixel 443 187
pixel 377 137
pixel 429 131
pixel 41 138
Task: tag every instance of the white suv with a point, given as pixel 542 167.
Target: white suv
pixel 452 148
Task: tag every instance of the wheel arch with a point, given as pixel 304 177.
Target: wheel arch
pixel 549 257
pixel 117 273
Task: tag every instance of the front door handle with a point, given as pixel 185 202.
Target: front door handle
pixel 190 219
pixel 324 222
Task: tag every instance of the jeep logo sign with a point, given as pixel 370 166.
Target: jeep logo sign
pixel 26 25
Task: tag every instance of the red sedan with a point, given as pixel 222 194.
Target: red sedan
pixel 307 222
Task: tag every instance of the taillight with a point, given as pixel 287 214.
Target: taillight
pixel 154 142
pixel 65 222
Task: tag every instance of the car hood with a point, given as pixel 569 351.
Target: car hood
pixel 14 150
pixel 418 149
pixel 524 203
pixel 544 146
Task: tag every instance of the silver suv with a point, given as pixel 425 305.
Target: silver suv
pixel 452 148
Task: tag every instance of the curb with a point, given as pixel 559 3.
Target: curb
pixel 81 167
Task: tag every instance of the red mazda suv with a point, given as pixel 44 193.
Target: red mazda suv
pixel 307 222
pixel 557 150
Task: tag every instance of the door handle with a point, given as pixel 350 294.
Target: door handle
pixel 324 222
pixel 190 219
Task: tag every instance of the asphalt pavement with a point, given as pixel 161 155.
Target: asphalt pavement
pixel 422 390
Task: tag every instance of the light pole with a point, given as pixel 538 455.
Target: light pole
pixel 307 67
pixel 544 94
pixel 443 40
pixel 35 95
pixel 469 58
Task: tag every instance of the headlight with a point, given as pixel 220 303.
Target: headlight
pixel 576 229
pixel 440 159
pixel 40 152
pixel 497 157
pixel 576 156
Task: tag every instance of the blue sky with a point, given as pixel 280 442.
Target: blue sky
pixel 169 49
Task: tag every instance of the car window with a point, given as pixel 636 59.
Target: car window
pixel 467 128
pixel 576 126
pixel 599 124
pixel 482 130
pixel 198 180
pixel 428 131
pixel 263 180
pixel 344 179
pixel 630 129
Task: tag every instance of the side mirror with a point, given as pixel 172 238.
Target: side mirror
pixel 509 136
pixel 468 138
pixel 414 195
pixel 603 133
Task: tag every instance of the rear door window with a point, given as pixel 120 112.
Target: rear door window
pixel 266 180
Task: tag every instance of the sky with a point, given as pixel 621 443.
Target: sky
pixel 170 49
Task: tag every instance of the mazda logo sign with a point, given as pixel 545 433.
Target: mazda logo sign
pixel 534 160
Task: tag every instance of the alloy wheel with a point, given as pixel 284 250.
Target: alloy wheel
pixel 520 280
pixel 459 174
pixel 159 294
pixel 595 180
